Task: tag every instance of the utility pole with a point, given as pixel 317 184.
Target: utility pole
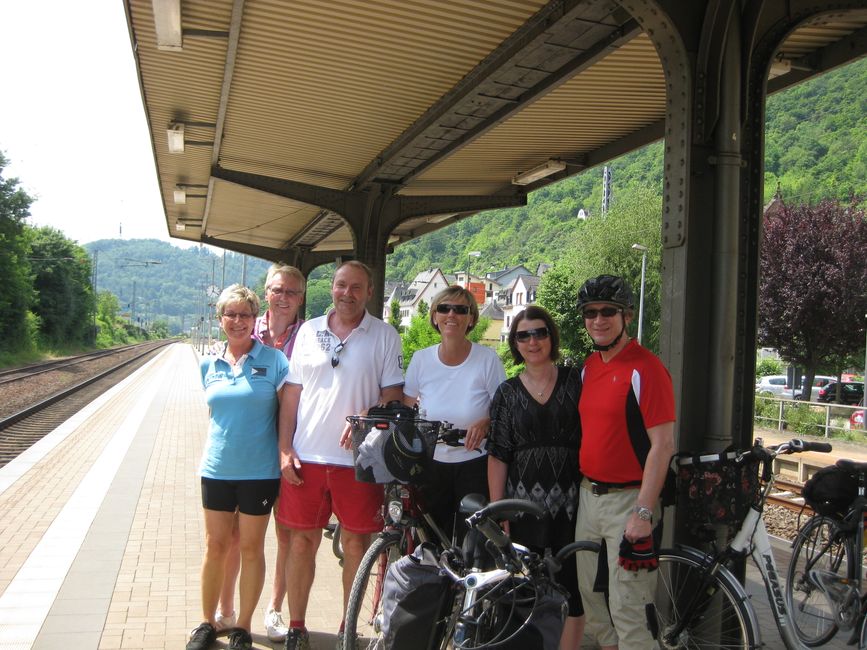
pixel 606 189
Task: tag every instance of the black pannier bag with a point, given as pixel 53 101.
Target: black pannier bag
pixel 416 600
pixel 831 491
pixel 527 617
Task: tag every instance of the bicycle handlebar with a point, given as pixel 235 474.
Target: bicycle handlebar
pixel 506 509
pixel 765 455
pixel 485 521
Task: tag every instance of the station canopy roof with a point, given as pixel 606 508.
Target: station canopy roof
pixel 446 98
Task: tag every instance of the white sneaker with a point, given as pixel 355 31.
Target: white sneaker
pixel 275 627
pixel 225 622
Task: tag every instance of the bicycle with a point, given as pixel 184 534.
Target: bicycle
pixel 700 603
pixel 824 589
pixel 494 608
pixel 406 523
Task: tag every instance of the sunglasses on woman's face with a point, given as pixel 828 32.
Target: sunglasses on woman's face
pixel 445 308
pixel 540 334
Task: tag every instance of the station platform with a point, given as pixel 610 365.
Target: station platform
pixel 102 536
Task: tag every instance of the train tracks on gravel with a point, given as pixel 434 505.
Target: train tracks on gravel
pixel 38 398
pixel 788 495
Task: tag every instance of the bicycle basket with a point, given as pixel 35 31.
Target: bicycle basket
pixel 392 445
pixel 831 491
pixel 715 488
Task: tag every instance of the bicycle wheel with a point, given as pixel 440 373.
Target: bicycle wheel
pixel 718 615
pixel 363 614
pixel 819 546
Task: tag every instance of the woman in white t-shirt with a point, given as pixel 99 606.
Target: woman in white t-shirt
pixel 455 381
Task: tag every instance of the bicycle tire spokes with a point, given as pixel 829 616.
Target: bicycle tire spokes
pixel 821 574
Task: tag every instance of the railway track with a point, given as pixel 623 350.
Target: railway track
pixel 12 375
pixel 788 495
pixel 28 425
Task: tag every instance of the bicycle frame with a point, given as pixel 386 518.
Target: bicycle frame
pixel 470 586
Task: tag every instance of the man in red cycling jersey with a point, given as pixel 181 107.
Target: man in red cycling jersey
pixel 627 422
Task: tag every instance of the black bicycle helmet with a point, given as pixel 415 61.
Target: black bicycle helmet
pixel 606 288
pixel 405 451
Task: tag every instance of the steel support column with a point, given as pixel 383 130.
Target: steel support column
pixel 716 55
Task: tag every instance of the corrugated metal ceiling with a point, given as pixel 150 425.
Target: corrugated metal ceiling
pixel 445 98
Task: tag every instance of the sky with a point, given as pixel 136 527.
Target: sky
pixel 72 123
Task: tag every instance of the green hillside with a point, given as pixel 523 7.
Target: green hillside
pixel 173 288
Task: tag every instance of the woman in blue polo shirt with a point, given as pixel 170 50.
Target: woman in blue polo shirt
pixel 240 467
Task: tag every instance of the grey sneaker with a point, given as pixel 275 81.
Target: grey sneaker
pixel 202 637
pixel 240 639
pixel 297 639
pixel 225 622
pixel 275 627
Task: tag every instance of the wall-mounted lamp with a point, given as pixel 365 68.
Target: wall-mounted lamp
pixel 175 134
pixel 183 223
pixel 547 168
pixel 167 22
pixel 182 192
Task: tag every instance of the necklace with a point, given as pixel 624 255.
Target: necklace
pixel 533 386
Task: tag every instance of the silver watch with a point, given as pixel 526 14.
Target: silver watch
pixel 645 514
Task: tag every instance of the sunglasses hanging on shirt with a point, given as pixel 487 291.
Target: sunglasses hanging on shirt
pixel 335 354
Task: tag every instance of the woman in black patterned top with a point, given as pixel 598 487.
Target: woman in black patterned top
pixel 533 448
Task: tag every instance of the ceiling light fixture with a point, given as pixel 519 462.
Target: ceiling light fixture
pixel 175 134
pixel 167 22
pixel 547 168
pixel 180 196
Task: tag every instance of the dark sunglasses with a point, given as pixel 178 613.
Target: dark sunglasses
pixel 335 354
pixel 445 308
pixel 607 312
pixel 540 334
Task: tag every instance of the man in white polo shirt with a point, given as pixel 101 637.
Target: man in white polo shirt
pixel 343 363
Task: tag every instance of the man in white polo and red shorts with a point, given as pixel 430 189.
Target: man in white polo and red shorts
pixel 627 425
pixel 343 363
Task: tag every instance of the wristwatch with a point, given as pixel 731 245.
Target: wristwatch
pixel 645 514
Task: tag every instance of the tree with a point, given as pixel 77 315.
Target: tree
pixel 421 334
pixel 394 314
pixel 604 245
pixel 64 299
pixel 813 284
pixel 16 294
pixel 317 297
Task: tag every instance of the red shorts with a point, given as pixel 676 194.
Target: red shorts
pixel 327 489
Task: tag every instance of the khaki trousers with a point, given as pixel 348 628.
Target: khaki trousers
pixel 604 517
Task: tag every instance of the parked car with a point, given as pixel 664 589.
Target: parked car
pixel 773 384
pixel 819 381
pixel 777 385
pixel 851 392
pixel 856 420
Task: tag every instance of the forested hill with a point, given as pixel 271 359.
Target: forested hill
pixel 166 282
pixel 816 148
